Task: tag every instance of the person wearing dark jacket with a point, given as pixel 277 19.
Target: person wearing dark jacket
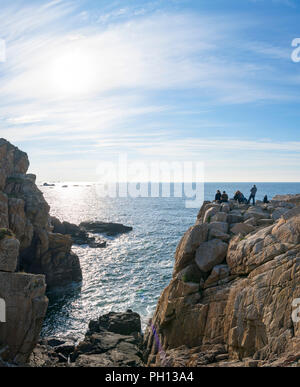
pixel 224 197
pixel 253 194
pixel 218 196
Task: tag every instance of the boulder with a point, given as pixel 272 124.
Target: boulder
pixel 265 222
pixel 218 226
pixel 188 245
pixel 210 254
pixel 277 214
pixel 210 213
pixel 242 228
pixel 219 217
pixel 112 341
pixel 235 218
pixel 225 207
pixel 215 233
pixel 256 213
pixel 191 273
pixel 292 199
pixel 9 251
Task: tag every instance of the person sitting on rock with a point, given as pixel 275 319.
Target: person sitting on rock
pixel 237 196
pixel 218 196
pixel 224 197
pixel 266 201
pixel 253 194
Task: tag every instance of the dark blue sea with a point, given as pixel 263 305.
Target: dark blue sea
pixel 134 268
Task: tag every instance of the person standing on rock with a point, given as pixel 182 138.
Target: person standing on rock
pixel 253 194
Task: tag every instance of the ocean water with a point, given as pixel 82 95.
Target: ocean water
pixel 134 269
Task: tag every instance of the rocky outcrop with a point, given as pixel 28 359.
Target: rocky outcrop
pixel 78 234
pixel 31 257
pixel 23 304
pixel 25 212
pixel 110 229
pixel 114 340
pixel 230 301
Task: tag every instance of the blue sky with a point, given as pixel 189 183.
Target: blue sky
pixel 165 80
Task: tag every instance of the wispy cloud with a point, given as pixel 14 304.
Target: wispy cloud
pixel 93 76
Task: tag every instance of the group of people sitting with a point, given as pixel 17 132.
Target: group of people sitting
pixel 221 198
pixel 239 197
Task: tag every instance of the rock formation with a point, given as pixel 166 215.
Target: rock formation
pixel 231 299
pixel 114 340
pixel 25 212
pixel 27 247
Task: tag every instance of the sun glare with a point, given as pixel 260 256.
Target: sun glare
pixel 73 72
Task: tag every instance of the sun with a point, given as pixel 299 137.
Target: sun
pixel 73 72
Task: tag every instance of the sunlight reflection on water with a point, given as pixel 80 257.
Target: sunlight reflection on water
pixel 134 268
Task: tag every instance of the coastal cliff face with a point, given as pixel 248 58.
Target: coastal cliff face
pixel 25 212
pixel 230 302
pixel 31 257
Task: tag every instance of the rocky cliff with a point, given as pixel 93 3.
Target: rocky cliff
pixel 234 289
pixel 24 211
pixel 27 247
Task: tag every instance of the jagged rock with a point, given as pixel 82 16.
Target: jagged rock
pixel 79 236
pixel 188 245
pixel 24 210
pixel 248 313
pixel 9 251
pixel 26 306
pixel 113 341
pixel 12 161
pixel 210 254
pixel 110 229
pixel 219 273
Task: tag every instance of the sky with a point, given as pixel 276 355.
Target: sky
pixel 84 81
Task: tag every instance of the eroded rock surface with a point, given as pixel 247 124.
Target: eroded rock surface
pixel 237 309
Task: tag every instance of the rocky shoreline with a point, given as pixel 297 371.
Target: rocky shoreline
pixel 230 301
pixel 35 254
pixel 235 279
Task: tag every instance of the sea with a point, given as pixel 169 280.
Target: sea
pixel 133 270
